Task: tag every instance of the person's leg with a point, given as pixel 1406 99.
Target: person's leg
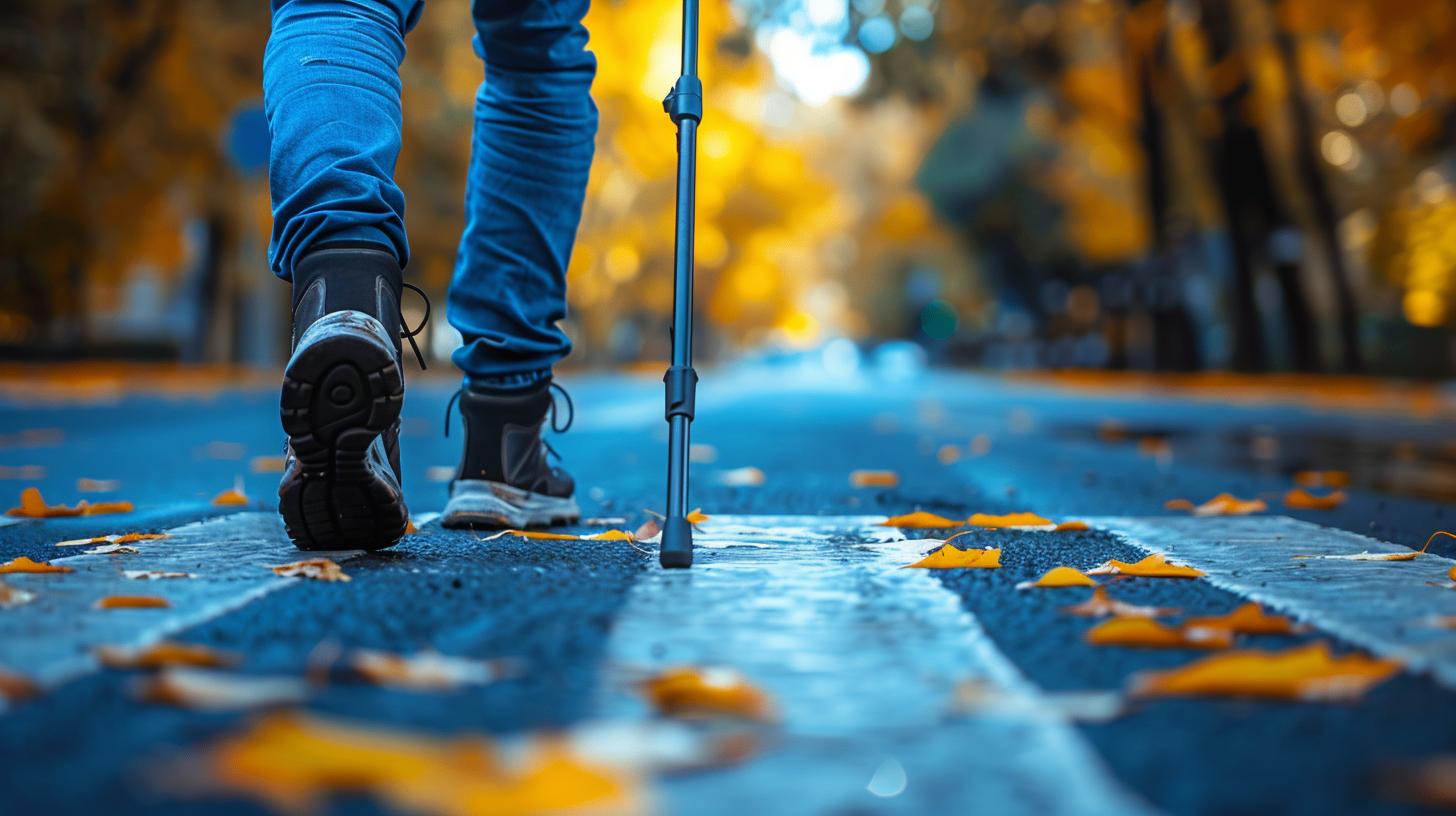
pixel 535 125
pixel 332 96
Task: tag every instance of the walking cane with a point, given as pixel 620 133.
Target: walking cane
pixel 684 103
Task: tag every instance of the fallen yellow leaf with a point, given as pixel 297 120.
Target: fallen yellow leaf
pixel 1322 478
pixel 133 602
pixel 1227 504
pixel 950 557
pixel 948 454
pixel 107 508
pixel 295 762
pixel 23 564
pixel 213 690
pixel 694 692
pixel 1308 672
pixel 231 497
pixel 1178 504
pixel 1142 631
pixel 426 671
pixel 32 505
pixel 14 687
pixel 697 516
pixel 1302 499
pixel 1102 605
pixel 12 597
pixel 874 478
pixel 1248 619
pixel 1057 577
pixel 1153 566
pixel 542 535
pixel 165 653
pixel 318 569
pixel 1008 520
pixel 920 520
pixel 1370 556
pixel 1072 526
pixel 267 464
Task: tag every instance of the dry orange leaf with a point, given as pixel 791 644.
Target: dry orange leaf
pixel 1072 526
pixel 107 508
pixel 267 464
pixel 1248 619
pixel 948 454
pixel 295 762
pixel 697 516
pixel 1308 672
pixel 1057 577
pixel 1102 605
pixel 1143 631
pixel 165 653
pixel 1227 504
pixel 920 520
pixel 213 690
pixel 11 597
pixel 1322 478
pixel 1153 566
pixel 1008 520
pixel 740 477
pixel 133 602
pixel 32 505
pixel 1302 499
pixel 15 687
pixel 1370 556
pixel 874 478
pixel 542 535
pixel 231 497
pixel 426 671
pixel 1178 504
pixel 694 692
pixel 22 564
pixel 950 557
pixel 318 569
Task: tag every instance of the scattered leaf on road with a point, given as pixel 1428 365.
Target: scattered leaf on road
pixel 1370 556
pixel 1322 478
pixel 1227 504
pixel 14 687
pixel 1072 526
pixel 128 538
pixel 1058 577
pixel 649 530
pixel 874 478
pixel 697 516
pixel 425 671
pixel 112 549
pixel 163 654
pixel 1102 605
pixel 214 690
pixel 232 497
pixel 920 520
pixel 296 762
pixel 267 464
pixel 1143 631
pixel 318 569
pixel 154 575
pixel 950 557
pixel 11 597
pixel 739 477
pixel 1008 520
pixel 1308 672
pixel 542 535
pixel 133 602
pixel 84 485
pixel 1301 499
pixel 32 505
pixel 694 692
pixel 948 454
pixel 1179 504
pixel 1153 566
pixel 1248 619
pixel 22 564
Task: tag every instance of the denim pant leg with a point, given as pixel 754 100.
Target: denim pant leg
pixel 331 91
pixel 535 125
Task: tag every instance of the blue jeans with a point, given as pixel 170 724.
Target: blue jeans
pixel 331 90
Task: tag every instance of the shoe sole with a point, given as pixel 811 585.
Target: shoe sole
pixel 343 388
pixel 493 505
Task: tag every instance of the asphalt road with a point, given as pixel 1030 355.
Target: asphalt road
pixel 887 646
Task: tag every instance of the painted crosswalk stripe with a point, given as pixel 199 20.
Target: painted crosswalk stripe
pixel 50 639
pixel 862 658
pixel 1383 606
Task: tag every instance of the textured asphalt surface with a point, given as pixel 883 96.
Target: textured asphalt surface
pixel 88 747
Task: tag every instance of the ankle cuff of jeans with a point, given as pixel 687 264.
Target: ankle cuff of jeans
pixel 516 381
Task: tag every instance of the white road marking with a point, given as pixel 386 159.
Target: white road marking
pixel 1382 606
pixel 862 658
pixel 50 639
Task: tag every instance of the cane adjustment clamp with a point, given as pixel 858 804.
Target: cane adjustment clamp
pixel 682 387
pixel 685 100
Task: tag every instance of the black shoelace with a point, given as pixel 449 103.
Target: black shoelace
pixel 406 333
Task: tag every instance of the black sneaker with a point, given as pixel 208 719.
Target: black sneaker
pixel 342 393
pixel 505 478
